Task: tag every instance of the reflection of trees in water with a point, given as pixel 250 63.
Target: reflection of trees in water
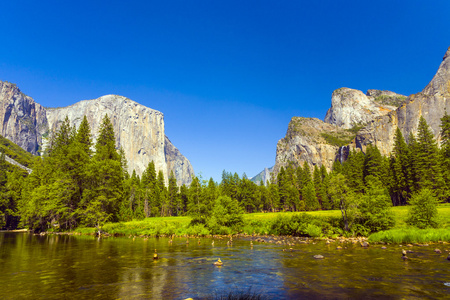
pixel 83 267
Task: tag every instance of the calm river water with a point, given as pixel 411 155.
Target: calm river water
pixel 85 267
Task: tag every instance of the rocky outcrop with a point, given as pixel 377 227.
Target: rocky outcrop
pixel 310 140
pixel 431 103
pixel 139 130
pixel 263 176
pixel 21 119
pixel 351 107
pixel 177 163
pixel 13 162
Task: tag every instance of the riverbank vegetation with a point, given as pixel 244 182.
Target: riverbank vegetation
pixel 78 184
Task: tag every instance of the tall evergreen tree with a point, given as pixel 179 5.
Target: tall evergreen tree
pixel 102 199
pixel 373 162
pixel 353 169
pixel 413 166
pixel 400 187
pixel 445 155
pixel 428 161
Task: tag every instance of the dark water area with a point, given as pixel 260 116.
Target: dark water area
pixel 85 267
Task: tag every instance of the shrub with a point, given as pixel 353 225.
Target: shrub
pixel 423 210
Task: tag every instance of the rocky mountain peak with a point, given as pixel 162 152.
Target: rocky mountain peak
pixel 139 129
pixel 431 103
pixel 350 107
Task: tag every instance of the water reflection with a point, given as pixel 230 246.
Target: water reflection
pixel 85 267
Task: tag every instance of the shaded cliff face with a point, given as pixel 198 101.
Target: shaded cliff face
pixel 21 119
pixel 431 103
pixel 139 130
pixel 310 140
pixel 351 107
pixel 176 162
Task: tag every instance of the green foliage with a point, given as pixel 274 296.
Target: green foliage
pixel 423 210
pixel 338 139
pixel 15 152
pixel 302 224
pixel 342 196
pixel 411 235
pixel 390 100
pixel 445 155
pixel 427 158
pixel 375 207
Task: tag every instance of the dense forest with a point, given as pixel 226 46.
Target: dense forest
pixel 78 183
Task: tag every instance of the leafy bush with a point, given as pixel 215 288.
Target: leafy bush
pixel 299 224
pixel 313 230
pixel 423 210
pixel 375 212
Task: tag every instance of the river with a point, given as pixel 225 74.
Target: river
pixel 85 267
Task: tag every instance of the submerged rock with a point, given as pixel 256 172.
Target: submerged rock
pixel 318 256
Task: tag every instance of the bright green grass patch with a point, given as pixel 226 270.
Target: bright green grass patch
pixel 264 223
pixel 152 227
pixel 411 235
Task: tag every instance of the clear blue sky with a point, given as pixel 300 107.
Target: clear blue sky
pixel 228 75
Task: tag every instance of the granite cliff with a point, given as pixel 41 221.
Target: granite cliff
pixel 356 119
pixel 351 107
pixel 430 103
pixel 139 130
pixel 21 119
pixel 311 140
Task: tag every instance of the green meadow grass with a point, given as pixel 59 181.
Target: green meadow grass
pixel 261 223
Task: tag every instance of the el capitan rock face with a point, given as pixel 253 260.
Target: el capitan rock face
pixel 139 130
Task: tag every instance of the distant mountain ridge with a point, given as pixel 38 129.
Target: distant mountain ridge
pixel 139 130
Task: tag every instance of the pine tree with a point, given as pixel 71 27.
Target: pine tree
pixel 84 137
pixel 149 187
pixel 172 203
pixel 161 196
pixel 274 202
pixel 373 162
pixel 400 174
pixel 413 168
pixel 445 154
pixel 337 167
pixel 353 169
pixel 317 179
pixel 3 197
pixel 105 148
pixel 197 208
pixel 428 159
pixel 309 196
pixel 104 195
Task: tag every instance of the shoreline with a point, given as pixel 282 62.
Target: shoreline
pixel 263 239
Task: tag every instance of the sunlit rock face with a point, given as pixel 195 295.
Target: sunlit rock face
pixel 309 140
pixel 139 130
pixel 431 103
pixel 351 107
pixel 21 118
pixel 379 112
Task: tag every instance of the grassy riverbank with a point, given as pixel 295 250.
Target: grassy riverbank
pixel 315 224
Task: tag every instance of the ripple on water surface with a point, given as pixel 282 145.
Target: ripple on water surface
pixel 84 267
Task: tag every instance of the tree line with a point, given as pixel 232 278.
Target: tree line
pixel 79 183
